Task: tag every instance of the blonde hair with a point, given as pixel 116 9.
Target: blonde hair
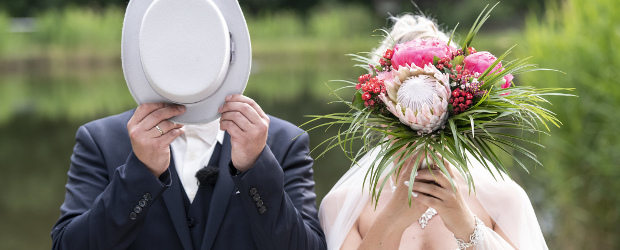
pixel 409 27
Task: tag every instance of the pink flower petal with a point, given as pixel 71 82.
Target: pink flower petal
pixel 410 116
pixel 437 108
pixel 508 79
pixel 419 52
pixel 426 111
pixel 422 120
pixel 480 61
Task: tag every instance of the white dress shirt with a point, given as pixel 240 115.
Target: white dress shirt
pixel 192 151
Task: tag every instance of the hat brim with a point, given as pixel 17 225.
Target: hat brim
pixel 203 111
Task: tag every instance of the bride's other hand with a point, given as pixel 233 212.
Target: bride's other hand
pixel 435 191
pixel 398 206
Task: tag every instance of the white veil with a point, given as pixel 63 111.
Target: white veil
pixel 503 199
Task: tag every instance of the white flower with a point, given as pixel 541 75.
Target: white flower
pixel 418 97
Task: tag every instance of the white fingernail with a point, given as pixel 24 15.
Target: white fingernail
pixel 406 183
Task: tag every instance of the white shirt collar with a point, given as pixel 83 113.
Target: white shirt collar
pixel 209 132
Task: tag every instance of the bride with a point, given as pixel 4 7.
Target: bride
pixel 497 215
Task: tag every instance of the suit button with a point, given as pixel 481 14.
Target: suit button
pixel 137 209
pixel 191 222
pixel 142 203
pixel 262 210
pixel 253 191
pixel 259 203
pixel 147 197
pixel 133 216
pixel 256 197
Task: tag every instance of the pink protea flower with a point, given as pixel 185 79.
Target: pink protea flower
pixel 480 61
pixel 418 97
pixel 419 52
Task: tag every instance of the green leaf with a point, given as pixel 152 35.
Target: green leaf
pixel 476 27
pixel 358 102
pixel 458 60
pixel 452 35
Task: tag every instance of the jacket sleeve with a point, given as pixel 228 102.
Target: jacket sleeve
pixel 102 211
pixel 280 199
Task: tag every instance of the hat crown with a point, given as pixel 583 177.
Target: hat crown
pixel 184 49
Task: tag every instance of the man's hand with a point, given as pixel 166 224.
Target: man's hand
pixel 150 145
pixel 248 126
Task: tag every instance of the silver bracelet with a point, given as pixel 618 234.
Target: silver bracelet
pixel 475 238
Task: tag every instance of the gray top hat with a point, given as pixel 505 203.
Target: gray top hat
pixel 188 52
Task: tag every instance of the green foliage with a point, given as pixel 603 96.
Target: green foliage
pixel 80 28
pixel 451 12
pixel 581 38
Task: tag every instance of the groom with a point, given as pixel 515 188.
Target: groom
pixel 139 181
pixel 124 191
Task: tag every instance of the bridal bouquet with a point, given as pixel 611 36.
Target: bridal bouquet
pixel 427 98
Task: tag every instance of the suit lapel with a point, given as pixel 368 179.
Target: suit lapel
pixel 221 195
pixel 174 202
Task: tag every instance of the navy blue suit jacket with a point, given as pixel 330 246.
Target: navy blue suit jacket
pixel 107 181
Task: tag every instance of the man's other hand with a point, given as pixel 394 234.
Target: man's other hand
pixel 151 134
pixel 248 127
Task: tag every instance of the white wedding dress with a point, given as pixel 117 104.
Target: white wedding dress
pixel 503 199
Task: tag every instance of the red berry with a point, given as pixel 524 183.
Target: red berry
pixel 388 54
pixel 363 78
pixel 365 96
pixel 458 68
pixel 469 96
pixel 461 99
pixel 358 86
pixel 468 102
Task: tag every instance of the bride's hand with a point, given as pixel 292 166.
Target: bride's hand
pixel 398 206
pixel 435 191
